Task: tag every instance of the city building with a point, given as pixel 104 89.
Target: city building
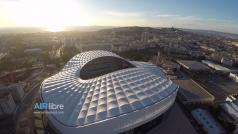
pixel 215 56
pixel 229 112
pixel 190 92
pixel 230 98
pixel 7 104
pixel 33 51
pixel 169 65
pixel 196 54
pixel 2 55
pixel 216 67
pixel 227 62
pixel 218 85
pixel 120 47
pixel 209 124
pixel 206 48
pixel 145 37
pixel 234 76
pixel 192 65
pixel 88 47
pixel 15 90
pixel 175 49
pixel 118 96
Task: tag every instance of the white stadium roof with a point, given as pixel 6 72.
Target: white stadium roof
pixel 109 103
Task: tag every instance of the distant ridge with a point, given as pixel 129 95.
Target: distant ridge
pixel 129 28
pixel 40 30
pixel 20 30
pixel 212 33
pixel 88 28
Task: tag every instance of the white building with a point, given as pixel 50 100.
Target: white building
pixel 216 67
pixel 234 76
pixel 103 93
pixel 2 55
pixel 207 48
pixel 229 111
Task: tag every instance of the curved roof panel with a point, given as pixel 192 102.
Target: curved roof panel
pixel 107 97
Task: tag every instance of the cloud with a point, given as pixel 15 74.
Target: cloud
pixel 167 15
pixel 124 14
pixel 177 17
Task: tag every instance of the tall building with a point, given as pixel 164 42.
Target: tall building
pixel 145 37
pixel 7 104
pixel 104 93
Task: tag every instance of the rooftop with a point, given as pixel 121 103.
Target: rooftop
pixel 209 123
pixel 192 91
pixel 216 66
pixel 193 65
pixel 219 86
pixel 231 109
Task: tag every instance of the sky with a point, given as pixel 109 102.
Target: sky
pixel 218 15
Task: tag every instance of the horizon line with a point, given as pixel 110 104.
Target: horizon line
pixel 65 27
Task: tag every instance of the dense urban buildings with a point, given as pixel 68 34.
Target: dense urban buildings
pixel 203 66
pixel 7 104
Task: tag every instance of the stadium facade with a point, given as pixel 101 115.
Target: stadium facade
pixel 105 93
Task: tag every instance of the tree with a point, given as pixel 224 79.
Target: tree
pixel 67 52
pixel 7 64
pixel 46 58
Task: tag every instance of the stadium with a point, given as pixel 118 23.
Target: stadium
pixel 104 93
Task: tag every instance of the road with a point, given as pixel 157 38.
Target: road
pixel 27 100
pixel 24 108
